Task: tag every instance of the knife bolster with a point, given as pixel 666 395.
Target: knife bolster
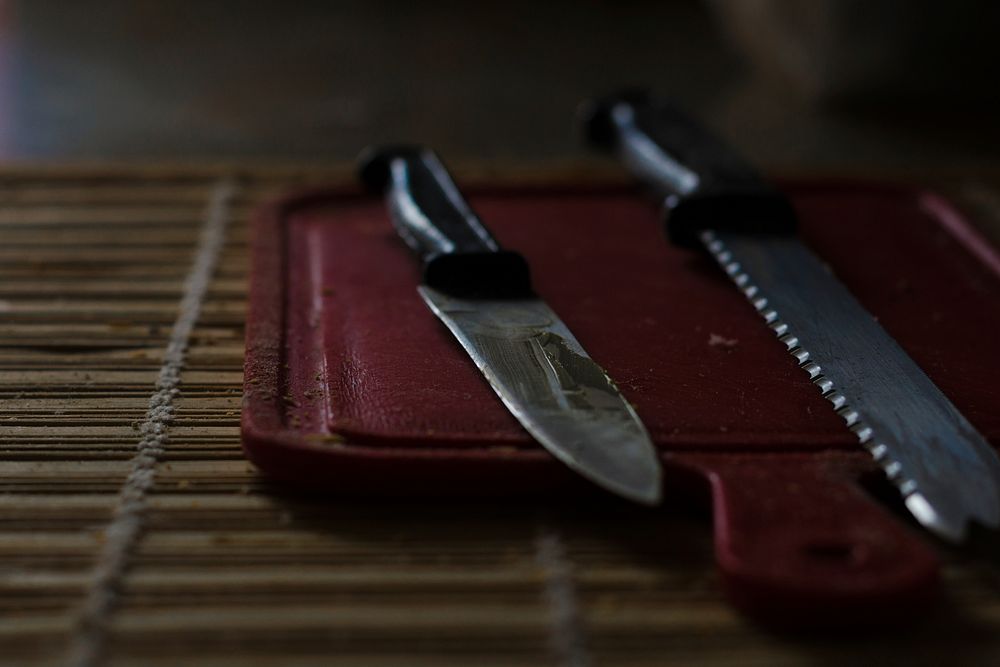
pixel 754 212
pixel 501 274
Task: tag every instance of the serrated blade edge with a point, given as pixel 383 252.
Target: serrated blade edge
pixel 945 470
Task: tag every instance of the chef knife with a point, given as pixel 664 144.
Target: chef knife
pixel 483 294
pixel 946 472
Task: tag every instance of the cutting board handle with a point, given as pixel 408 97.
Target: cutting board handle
pixel 799 542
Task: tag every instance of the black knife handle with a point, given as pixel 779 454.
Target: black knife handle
pixel 460 255
pixel 703 182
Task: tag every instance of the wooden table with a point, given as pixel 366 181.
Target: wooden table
pixel 118 548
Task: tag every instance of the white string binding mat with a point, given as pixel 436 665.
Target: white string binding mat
pixel 567 639
pixel 126 526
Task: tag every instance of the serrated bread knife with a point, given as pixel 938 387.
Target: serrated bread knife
pixel 945 470
pixel 531 360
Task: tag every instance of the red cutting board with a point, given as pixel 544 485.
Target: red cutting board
pixel 353 386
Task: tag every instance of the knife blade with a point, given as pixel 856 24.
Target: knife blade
pixel 945 470
pixel 483 294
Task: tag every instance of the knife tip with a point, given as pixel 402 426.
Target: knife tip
pixel 651 496
pixel 946 528
pixel 631 470
pixel 647 491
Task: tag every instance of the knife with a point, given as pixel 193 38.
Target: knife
pixel 483 294
pixel 946 472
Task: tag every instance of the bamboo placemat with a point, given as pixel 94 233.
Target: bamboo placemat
pixel 133 532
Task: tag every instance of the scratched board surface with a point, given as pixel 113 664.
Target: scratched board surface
pixel 133 532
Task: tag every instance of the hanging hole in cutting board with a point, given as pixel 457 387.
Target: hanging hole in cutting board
pixel 836 552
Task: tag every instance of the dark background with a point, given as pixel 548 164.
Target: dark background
pixel 839 84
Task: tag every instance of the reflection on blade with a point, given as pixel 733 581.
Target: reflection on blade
pixel 558 393
pixel 944 468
